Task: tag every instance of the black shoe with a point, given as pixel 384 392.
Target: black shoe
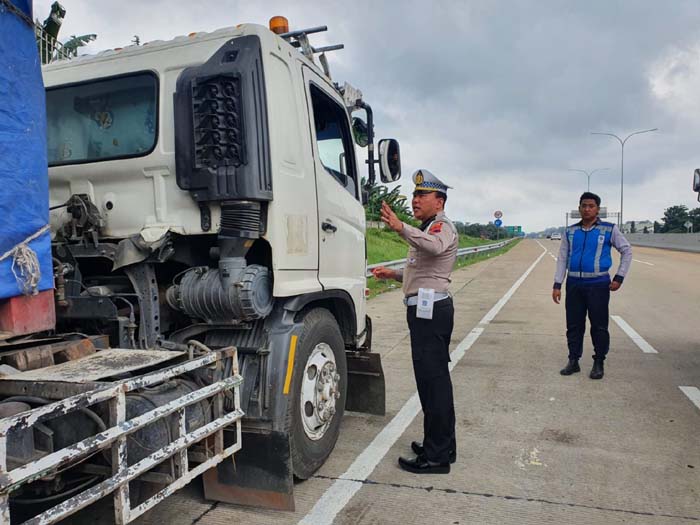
pixel 420 451
pixel 571 368
pixel 597 371
pixel 420 465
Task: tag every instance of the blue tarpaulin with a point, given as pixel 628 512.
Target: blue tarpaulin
pixel 24 186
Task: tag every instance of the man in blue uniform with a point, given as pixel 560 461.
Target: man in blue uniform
pixel 585 254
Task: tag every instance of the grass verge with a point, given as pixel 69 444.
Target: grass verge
pixel 376 287
pixel 385 245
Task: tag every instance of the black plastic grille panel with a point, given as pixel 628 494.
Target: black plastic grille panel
pixel 218 122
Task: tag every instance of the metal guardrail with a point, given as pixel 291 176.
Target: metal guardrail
pixel 115 437
pixel 462 252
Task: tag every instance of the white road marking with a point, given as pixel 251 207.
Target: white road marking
pixel 638 339
pixel 693 394
pixel 643 262
pixel 343 489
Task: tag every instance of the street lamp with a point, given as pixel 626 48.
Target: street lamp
pixel 589 173
pixel 622 161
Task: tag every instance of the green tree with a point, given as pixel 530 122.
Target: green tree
pixel 49 32
pixel 473 230
pixel 71 45
pixel 694 217
pixel 47 38
pixel 397 202
pixel 674 219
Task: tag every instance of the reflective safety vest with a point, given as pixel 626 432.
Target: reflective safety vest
pixel 589 251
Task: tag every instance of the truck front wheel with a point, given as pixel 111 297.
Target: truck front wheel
pixel 319 390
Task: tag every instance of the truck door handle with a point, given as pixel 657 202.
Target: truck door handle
pixel 327 226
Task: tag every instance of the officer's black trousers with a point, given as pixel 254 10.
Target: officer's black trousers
pixel 594 301
pixel 430 342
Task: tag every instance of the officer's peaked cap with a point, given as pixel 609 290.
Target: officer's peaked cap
pixel 426 181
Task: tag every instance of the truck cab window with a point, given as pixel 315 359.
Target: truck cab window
pixel 333 139
pixel 103 119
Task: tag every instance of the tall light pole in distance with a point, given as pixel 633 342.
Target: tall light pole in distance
pixel 588 174
pixel 622 162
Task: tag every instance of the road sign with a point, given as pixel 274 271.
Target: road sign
pixel 603 213
pixel 498 223
pixel 688 225
pixel 498 214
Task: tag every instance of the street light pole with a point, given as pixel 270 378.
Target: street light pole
pixel 622 163
pixel 588 174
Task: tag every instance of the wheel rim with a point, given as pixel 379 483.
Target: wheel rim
pixel 320 389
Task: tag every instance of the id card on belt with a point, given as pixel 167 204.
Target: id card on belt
pixel 426 300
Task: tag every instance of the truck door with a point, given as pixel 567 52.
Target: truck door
pixel 341 217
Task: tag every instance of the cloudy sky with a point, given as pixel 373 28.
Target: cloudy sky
pixel 498 98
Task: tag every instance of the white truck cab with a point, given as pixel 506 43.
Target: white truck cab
pixel 207 189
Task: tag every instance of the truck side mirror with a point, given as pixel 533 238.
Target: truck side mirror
pixel 360 132
pixel 389 160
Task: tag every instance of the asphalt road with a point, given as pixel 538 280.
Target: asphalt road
pixel 533 446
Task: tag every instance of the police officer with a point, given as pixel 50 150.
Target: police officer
pixel 585 254
pixel 430 316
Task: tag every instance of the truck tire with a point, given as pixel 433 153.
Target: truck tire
pixel 318 392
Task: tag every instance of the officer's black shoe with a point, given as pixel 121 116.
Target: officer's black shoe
pixel 420 465
pixel 597 370
pixel 419 451
pixel 571 368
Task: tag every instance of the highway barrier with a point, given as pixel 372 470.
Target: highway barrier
pixel 685 242
pixel 462 252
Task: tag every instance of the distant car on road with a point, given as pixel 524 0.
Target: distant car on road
pixel 556 237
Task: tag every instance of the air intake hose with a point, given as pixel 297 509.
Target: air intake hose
pixel 233 292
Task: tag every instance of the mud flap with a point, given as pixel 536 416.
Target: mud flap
pixel 366 388
pixel 260 475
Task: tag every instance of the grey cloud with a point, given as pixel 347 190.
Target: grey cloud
pixel 499 96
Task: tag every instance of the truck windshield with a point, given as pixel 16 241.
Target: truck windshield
pixel 102 120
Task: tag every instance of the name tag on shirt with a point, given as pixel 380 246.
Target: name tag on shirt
pixel 426 300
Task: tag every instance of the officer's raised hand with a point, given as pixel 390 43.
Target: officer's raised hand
pixel 390 219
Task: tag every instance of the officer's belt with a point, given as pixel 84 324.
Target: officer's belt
pixel 586 275
pixel 412 300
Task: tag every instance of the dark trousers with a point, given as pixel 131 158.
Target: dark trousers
pixel 430 342
pixel 594 301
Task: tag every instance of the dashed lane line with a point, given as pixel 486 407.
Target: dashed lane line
pixel 643 262
pixel 693 394
pixel 337 496
pixel 632 333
